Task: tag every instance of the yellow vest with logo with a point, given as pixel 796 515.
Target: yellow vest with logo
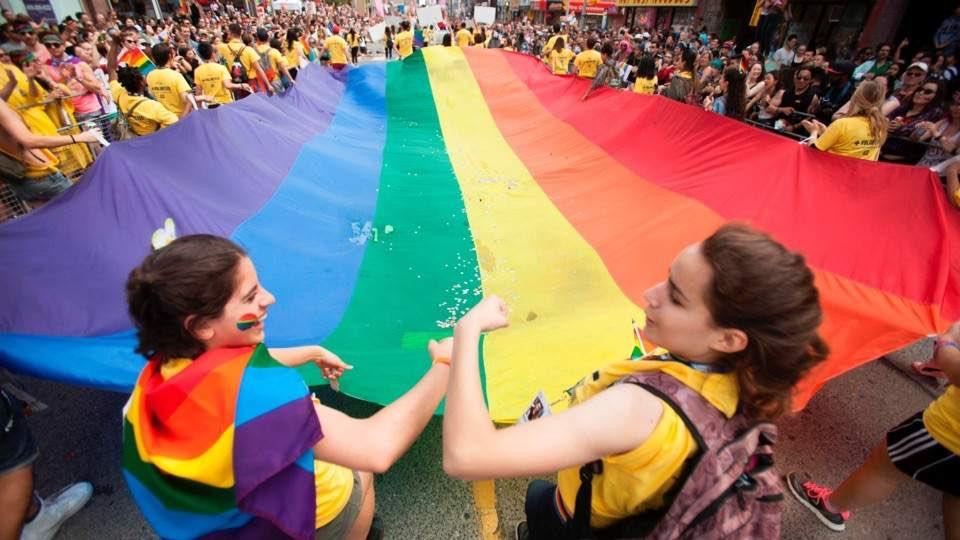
pixel 636 481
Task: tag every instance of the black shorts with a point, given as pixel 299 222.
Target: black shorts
pixel 918 455
pixel 17 447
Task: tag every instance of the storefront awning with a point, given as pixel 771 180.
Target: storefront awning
pixel 656 3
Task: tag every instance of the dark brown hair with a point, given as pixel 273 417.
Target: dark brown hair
pixel 194 275
pixel 768 292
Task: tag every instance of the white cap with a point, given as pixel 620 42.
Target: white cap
pixel 921 65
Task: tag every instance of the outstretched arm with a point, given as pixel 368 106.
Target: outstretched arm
pixel 474 449
pixel 374 444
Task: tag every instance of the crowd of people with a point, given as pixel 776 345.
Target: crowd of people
pixel 200 295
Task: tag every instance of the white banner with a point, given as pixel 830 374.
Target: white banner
pixel 429 15
pixel 376 32
pixel 484 15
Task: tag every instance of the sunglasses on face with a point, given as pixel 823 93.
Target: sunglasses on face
pixel 927 91
pixel 54 45
pixel 914 73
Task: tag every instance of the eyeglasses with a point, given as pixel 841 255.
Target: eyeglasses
pixel 927 91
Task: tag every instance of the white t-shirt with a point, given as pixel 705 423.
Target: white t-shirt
pixel 783 57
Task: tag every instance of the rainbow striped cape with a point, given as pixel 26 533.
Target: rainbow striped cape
pixel 223 448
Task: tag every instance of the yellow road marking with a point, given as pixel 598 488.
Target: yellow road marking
pixel 485 501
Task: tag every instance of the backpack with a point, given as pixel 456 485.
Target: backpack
pixel 728 489
pixel 120 129
pixel 238 73
pixel 271 74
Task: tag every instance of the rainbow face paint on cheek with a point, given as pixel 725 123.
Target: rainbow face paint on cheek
pixel 247 322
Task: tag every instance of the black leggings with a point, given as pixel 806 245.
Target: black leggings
pixel 389 51
pixel 354 53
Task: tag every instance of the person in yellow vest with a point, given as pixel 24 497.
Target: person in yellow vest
pixel 40 103
pixel 924 447
pixel 295 52
pixel 559 58
pixel 464 36
pixel 353 41
pixel 127 88
pixel 235 50
pixel 428 36
pixel 646 82
pixel 167 85
pixel 278 65
pixel 337 47
pixel 214 81
pixel 587 62
pixel 404 40
pixel 742 356
pixel 548 46
pixel 861 133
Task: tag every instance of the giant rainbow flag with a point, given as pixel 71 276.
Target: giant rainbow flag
pixel 380 203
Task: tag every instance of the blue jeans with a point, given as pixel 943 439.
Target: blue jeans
pixel 543 519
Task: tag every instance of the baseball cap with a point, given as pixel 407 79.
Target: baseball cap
pixel 335 29
pixel 51 38
pixel 920 65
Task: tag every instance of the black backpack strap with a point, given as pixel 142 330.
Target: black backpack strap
pixel 581 512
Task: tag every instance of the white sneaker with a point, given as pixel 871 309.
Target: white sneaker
pixel 55 510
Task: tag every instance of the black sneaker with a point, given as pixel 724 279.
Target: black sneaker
pixel 813 496
pixel 522 532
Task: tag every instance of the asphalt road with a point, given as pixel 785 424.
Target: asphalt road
pixel 79 437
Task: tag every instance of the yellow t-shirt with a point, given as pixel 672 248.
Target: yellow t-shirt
pixel 464 38
pixel 338 49
pixel 276 59
pixel 636 481
pixel 587 63
pixel 148 115
pixel 294 54
pixel 248 56
pixel 559 62
pixel 333 484
pixel 404 41
pixel 850 137
pixel 551 40
pixel 645 86
pixel 942 419
pixel 210 77
pixel 353 41
pixel 167 86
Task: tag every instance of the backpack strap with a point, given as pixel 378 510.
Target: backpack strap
pixel 135 105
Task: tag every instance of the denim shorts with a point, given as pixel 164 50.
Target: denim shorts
pixel 40 189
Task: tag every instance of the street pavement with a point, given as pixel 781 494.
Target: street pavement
pixel 79 435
